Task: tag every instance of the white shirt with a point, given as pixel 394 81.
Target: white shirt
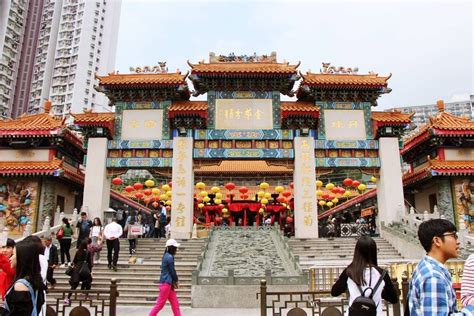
pixel 46 252
pixel 113 230
pixel 163 210
pixel 95 232
pixel 354 290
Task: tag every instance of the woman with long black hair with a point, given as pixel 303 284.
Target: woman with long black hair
pixel 363 273
pixel 168 281
pixel 26 296
pixel 82 269
pixel 65 242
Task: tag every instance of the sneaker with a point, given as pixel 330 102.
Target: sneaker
pixel 115 268
pixel 134 251
pixel 109 266
pixel 63 265
pixel 67 301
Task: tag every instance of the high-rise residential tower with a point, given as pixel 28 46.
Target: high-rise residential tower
pixel 63 43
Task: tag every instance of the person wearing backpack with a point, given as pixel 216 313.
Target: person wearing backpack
pixel 366 282
pixel 26 295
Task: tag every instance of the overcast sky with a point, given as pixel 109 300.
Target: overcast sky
pixel 426 45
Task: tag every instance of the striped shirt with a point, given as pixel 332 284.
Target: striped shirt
pixel 467 285
pixel 431 291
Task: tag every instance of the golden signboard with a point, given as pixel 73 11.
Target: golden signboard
pixel 142 124
pixel 345 124
pixel 244 114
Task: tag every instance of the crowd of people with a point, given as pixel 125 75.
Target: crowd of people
pixel 27 268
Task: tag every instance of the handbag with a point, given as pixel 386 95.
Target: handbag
pixel 69 270
pixel 60 234
pixel 84 271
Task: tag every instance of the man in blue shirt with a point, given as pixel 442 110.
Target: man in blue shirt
pixel 431 290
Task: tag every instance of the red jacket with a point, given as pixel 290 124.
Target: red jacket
pixel 7 274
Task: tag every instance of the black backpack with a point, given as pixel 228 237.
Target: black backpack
pixel 364 305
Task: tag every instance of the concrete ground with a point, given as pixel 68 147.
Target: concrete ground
pixel 143 311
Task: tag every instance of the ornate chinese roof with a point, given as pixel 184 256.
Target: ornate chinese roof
pixel 344 80
pixel 298 106
pixel 142 79
pixel 439 168
pixel 187 107
pixel 444 124
pixel 243 166
pixel 36 125
pixel 392 118
pixel 31 167
pixel 244 68
pixel 362 197
pixel 94 119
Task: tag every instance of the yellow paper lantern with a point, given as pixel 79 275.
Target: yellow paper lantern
pixel 319 192
pixel 261 211
pixel 165 187
pixel 169 193
pixel 224 211
pixel 215 189
pixel 279 189
pixel 218 195
pixel 322 202
pixel 268 195
pixel 373 179
pixel 150 183
pixel 260 194
pixel 168 203
pixel 347 193
pixel 200 205
pixel 200 185
pixel 206 199
pixel 217 201
pixel 335 200
pixel 329 186
pixel 155 191
pixel 163 197
pixel 203 193
pixel 319 183
pixel 330 204
pixel 264 185
pixel 283 204
pixel 361 187
pixel 264 201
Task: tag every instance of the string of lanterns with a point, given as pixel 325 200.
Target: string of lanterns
pixel 147 193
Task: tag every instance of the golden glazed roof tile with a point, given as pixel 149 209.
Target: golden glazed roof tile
pixel 299 106
pixel 188 106
pixel 344 79
pixel 243 166
pixel 244 68
pixel 93 117
pixel 392 117
pixel 142 79
pixel 30 167
pixel 35 122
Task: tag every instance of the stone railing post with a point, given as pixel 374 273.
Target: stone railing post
pixel 28 229
pixel 230 277
pixel 47 226
pixel 425 216
pixel 74 216
pixel 263 298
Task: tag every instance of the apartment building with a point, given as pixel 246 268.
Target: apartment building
pixel 64 43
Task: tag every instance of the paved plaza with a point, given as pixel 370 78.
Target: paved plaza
pixel 132 311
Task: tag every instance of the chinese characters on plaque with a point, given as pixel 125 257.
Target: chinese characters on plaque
pixel 182 193
pixel 344 125
pixel 142 124
pixel 244 114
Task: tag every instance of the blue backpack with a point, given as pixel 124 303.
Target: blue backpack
pixel 34 295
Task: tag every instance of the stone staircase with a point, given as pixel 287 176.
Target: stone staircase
pixel 137 283
pixel 339 251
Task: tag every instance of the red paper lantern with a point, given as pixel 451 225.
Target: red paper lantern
pixel 138 186
pixel 286 193
pixel 117 181
pixel 347 182
pixel 243 190
pixel 139 195
pixel 230 186
pixel 147 200
pixel 156 198
pixel 355 183
pixel 244 196
pixel 155 204
pixel 170 184
pixel 147 192
pixel 342 190
pixel 281 199
pixel 335 190
pixel 292 185
pixel 129 188
pixel 325 196
pixel 289 220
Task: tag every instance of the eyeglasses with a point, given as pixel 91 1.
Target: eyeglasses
pixel 454 234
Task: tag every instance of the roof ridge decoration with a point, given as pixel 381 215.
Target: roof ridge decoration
pixel 272 58
pixel 328 69
pixel 160 68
